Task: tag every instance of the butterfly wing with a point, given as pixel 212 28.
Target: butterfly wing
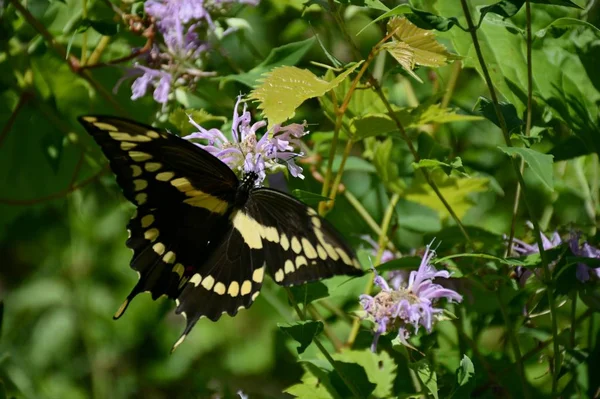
pixel 299 245
pixel 184 196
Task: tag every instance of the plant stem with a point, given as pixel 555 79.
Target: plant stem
pixel 385 225
pixel 514 342
pixel 528 204
pixel 97 53
pixel 323 350
pixel 332 150
pixel 84 36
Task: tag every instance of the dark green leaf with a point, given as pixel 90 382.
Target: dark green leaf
pixel 353 374
pixel 508 8
pixel 1 316
pixel 427 376
pixel 486 108
pixel 288 54
pixel 406 262
pixel 540 164
pixel 427 20
pixel 105 28
pixel 590 295
pixel 303 332
pixel 398 10
pixel 307 293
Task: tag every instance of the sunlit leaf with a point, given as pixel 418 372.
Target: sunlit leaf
pixel 380 368
pixel 540 164
pixel 465 371
pixel 307 293
pixel 427 376
pixel 456 191
pixel 386 167
pixel 565 23
pixel 285 88
pixel 412 46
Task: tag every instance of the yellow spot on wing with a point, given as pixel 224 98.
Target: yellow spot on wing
pixel 151 234
pixel 246 287
pixel 234 289
pixel 207 201
pixel 139 156
pixel 258 275
pixel 196 279
pixel 296 247
pixel 270 233
pixel 152 166
pixel 139 184
pixel 141 198
pixel 344 256
pixel 255 295
pixel 279 275
pixel 169 257
pixel 182 184
pixel 121 309
pixel 165 176
pixel 301 261
pixel 179 269
pixel 129 137
pixel 220 288
pixel 284 242
pixel 309 250
pixel 153 134
pixel 135 170
pixel 126 146
pixel 105 126
pixel 208 282
pixel 90 119
pixel 288 266
pixel 159 248
pixel 248 229
pixel 147 221
pixel 322 252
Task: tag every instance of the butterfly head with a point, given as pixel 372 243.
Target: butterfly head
pixel 247 183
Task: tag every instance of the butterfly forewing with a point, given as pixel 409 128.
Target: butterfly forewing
pixel 299 245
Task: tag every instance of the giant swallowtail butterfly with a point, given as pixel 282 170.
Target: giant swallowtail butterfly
pixel 203 237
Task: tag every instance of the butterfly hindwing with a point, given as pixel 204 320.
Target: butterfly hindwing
pixel 299 245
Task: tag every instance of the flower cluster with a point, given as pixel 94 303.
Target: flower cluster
pixel 407 305
pixel 583 272
pixel 184 26
pixel 246 152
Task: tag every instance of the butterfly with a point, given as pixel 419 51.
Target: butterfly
pixel 203 237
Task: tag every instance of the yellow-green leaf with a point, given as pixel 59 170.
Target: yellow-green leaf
pixel 455 191
pixel 412 46
pixel 284 89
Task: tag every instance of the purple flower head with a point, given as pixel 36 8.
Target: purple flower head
pixel 247 153
pixel 160 80
pixel 407 305
pixel 584 272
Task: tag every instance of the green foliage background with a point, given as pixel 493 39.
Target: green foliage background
pixel 64 266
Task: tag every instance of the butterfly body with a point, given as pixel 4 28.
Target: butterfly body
pixel 204 237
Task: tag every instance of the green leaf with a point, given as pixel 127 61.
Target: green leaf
pixel 427 20
pixel 106 28
pixel 379 367
pixel 1 316
pixel 308 197
pixel 180 119
pixel 353 374
pixel 427 376
pixel 398 10
pixel 405 262
pixel 353 163
pixel 540 164
pixel 307 293
pixel 446 167
pixel 386 167
pixel 288 54
pixel 285 88
pixel 303 332
pixel 314 384
pixel 508 8
pixel 465 371
pixel 565 23
pixel 509 112
pixel 382 124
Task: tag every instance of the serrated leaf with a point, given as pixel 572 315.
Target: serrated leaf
pixel 539 164
pixel 302 332
pixel 412 46
pixel 465 371
pixel 486 108
pixel 427 376
pixel 455 191
pixel 353 374
pixel 285 88
pixel 380 368
pixel 288 54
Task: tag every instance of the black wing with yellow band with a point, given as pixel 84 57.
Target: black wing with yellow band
pixel 299 245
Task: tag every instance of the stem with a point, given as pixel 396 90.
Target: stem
pixel 23 99
pixel 335 341
pixel 514 342
pixel 338 176
pixel 456 68
pixel 97 53
pixel 367 217
pixel 332 150
pixel 84 36
pixel 323 350
pixel 529 205
pixel 385 224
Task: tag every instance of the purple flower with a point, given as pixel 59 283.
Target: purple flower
pixel 408 305
pixel 246 152
pixel 586 251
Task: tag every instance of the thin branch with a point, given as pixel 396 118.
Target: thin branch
pixel 23 99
